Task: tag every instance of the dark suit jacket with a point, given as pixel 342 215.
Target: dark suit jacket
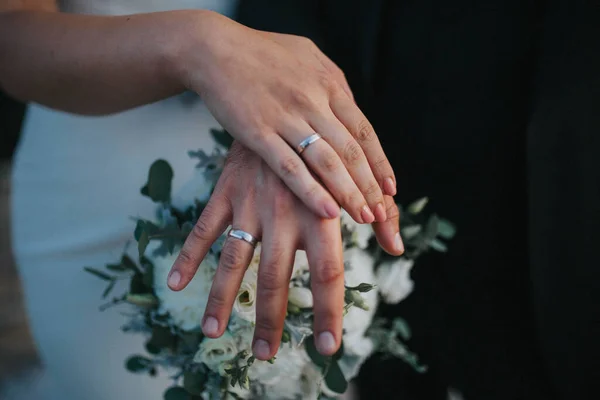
pixel 492 109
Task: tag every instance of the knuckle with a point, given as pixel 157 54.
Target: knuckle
pixel 282 202
pixel 328 161
pixel 352 152
pixel 289 167
pixel 265 326
pixel 381 163
pixel 328 271
pixel 271 280
pixel 185 257
pixel 216 301
pixel 365 132
pixel 302 100
pixel 201 230
pixel 232 258
pixel 392 211
pixel 372 188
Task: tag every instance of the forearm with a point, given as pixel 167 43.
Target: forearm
pixel 93 64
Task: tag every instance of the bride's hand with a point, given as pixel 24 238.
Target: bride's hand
pixel 250 197
pixel 271 91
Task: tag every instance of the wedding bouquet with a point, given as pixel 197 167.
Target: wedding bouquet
pixel 204 368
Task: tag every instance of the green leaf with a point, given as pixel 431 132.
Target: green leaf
pixel 417 206
pixel 143 243
pixel 161 338
pixel 148 279
pixel 446 229
pixel 138 364
pixel 402 328
pixel 145 226
pixel 116 267
pixel 142 300
pixel 409 232
pixel 335 379
pixel 158 187
pixel 363 287
pixel 99 274
pixel 431 230
pixel 138 286
pixel 222 137
pixel 438 245
pixel 311 349
pixel 109 288
pixel 128 263
pixel 194 382
pixel 176 393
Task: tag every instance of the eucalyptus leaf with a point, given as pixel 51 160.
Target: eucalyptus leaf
pixel 138 363
pixel 102 275
pixel 138 286
pixel 176 393
pixel 402 328
pixel 222 137
pixel 194 382
pixel 161 338
pixel 409 232
pixel 438 245
pixel 128 263
pixel 109 288
pixel 431 230
pixel 417 206
pixel 143 243
pixel 446 229
pixel 335 379
pixel 142 300
pixel 116 267
pixel 311 349
pixel 158 187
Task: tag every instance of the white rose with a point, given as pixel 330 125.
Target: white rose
pixel 216 352
pixel 357 348
pixel 245 302
pixel 282 378
pixel 301 297
pixel 393 279
pixel 196 188
pixel 185 307
pixel 360 270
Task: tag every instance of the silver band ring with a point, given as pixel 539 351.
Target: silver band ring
pixel 307 142
pixel 242 235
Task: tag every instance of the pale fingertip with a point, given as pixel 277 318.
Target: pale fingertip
pixel 210 327
pixel 174 279
pixel 398 243
pixel 389 187
pixel 326 343
pixel 261 349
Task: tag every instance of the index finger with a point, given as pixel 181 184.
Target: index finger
pixel 323 242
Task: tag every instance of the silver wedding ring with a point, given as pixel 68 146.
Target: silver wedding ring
pixel 307 142
pixel 242 235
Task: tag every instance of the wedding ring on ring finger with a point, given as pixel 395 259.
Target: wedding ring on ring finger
pixel 243 235
pixel 307 142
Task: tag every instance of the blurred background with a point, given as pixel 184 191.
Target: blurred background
pixel 17 351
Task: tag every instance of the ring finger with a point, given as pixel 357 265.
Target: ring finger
pixel 235 258
pixel 327 165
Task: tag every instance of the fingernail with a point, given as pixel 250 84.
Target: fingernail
pixel 389 187
pixel 367 215
pixel 399 244
pixel 261 349
pixel 174 279
pixel 326 343
pixel 331 210
pixel 211 326
pixel 380 214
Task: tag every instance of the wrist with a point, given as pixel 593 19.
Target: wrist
pixel 189 53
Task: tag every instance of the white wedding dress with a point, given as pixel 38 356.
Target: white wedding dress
pixel 75 186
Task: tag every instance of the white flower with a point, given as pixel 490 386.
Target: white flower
pixel 197 188
pixel 360 270
pixel 185 307
pixel 216 352
pixel 393 279
pixel 301 297
pixel 245 302
pixel 357 348
pixel 281 379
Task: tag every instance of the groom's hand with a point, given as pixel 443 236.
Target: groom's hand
pixel 250 197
